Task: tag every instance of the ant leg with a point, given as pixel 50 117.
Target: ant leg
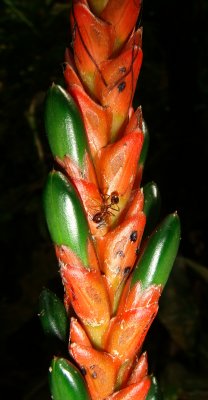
pixel 115 207
pixel 110 213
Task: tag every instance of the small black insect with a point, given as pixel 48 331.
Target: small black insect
pixel 127 270
pixel 98 217
pixel 133 236
pixel 83 371
pixel 122 69
pixel 137 251
pixel 110 204
pixel 114 198
pixel 121 86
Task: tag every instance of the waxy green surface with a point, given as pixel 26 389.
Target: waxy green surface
pixel 152 206
pixel 66 382
pixel 154 391
pixel 53 315
pixel 158 255
pixel 65 216
pixel 145 146
pixel 64 126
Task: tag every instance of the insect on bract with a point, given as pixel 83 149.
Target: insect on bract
pixel 107 208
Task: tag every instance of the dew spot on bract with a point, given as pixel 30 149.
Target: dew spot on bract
pixel 120 253
pixel 94 375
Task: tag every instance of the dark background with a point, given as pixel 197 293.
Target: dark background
pixel 172 88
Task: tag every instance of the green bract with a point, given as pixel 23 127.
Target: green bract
pixel 64 126
pixel 158 255
pixel 145 146
pixel 154 392
pixel 66 382
pixel 152 205
pixel 53 315
pixel 65 216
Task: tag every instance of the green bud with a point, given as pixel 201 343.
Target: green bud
pixel 65 216
pixel 64 126
pixel 158 254
pixel 152 205
pixel 66 382
pixel 145 146
pixel 154 391
pixel 53 315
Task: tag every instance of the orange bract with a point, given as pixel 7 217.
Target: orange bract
pixel 140 370
pixel 100 370
pixel 116 164
pixel 136 391
pixel 128 332
pixel 95 118
pixel 78 334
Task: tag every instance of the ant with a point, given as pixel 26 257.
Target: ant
pixel 110 202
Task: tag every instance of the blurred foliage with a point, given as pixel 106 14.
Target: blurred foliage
pixel 172 88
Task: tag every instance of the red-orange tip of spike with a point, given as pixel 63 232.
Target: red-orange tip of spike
pixel 92 43
pixel 122 14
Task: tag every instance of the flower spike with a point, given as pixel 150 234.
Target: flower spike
pixel 114 258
